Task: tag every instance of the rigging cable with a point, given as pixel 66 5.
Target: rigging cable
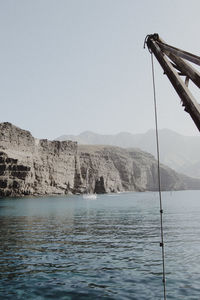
pixel 159 179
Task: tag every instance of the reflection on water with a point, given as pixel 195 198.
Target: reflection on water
pixel 108 248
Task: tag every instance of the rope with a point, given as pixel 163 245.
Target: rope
pixel 159 180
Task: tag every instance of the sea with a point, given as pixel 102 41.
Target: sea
pixel 69 247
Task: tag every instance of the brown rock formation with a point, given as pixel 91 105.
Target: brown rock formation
pixel 29 166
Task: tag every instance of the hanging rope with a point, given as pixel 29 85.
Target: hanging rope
pixel 159 180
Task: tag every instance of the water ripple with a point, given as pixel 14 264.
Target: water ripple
pixel 103 249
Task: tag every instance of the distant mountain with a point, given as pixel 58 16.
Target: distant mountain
pixel 182 153
pixel 122 139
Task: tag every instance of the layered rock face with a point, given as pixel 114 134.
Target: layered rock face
pixel 29 166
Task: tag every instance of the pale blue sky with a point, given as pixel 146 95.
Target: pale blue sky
pixel 67 66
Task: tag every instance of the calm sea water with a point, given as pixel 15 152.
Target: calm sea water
pixel 108 248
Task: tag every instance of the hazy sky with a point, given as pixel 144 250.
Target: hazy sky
pixel 67 66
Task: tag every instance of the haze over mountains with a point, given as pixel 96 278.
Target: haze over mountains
pixel 179 152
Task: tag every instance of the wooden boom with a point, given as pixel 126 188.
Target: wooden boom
pixel 173 62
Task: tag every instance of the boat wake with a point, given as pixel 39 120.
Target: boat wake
pixel 90 196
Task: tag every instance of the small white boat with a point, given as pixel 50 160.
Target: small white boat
pixel 89 196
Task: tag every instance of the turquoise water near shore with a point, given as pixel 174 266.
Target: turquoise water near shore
pixel 108 248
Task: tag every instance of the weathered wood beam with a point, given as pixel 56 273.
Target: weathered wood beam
pixel 178 52
pixel 189 102
pixel 186 69
pixel 180 64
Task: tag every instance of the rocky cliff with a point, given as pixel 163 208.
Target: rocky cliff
pixel 29 166
pixel 177 151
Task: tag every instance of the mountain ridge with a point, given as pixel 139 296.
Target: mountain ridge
pixel 177 151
